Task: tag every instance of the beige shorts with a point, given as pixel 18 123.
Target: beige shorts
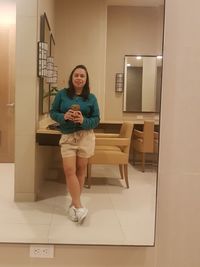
pixel 81 144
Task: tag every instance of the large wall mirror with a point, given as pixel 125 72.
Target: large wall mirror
pixel 98 34
pixel 142 83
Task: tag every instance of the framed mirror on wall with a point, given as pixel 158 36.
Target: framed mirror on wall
pixel 117 215
pixel 142 83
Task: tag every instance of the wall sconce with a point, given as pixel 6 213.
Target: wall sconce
pixel 42 59
pixel 119 82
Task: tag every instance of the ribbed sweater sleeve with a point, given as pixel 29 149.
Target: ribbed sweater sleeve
pixel 55 113
pixel 92 121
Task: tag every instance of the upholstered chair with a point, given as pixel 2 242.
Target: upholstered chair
pixel 112 149
pixel 156 140
pixel 143 141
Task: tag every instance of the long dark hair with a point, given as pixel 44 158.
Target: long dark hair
pixel 86 89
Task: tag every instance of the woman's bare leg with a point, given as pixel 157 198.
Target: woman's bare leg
pixel 73 186
pixel 81 168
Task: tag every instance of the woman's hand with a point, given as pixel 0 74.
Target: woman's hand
pixel 69 115
pixel 75 116
pixel 78 117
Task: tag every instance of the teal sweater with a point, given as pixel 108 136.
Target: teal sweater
pixel 89 109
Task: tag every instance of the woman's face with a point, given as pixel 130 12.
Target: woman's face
pixel 79 78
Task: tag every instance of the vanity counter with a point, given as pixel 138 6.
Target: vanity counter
pixel 47 137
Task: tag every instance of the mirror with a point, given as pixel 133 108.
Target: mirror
pixel 142 83
pixel 86 33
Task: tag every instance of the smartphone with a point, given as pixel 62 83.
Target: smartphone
pixel 75 107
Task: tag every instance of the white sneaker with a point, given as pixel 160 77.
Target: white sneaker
pixel 81 214
pixel 72 214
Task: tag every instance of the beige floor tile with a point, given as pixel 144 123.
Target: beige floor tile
pixel 87 233
pixel 24 233
pixel 26 213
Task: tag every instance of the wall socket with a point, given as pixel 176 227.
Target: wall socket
pixel 41 251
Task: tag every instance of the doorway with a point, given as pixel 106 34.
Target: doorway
pixel 7 80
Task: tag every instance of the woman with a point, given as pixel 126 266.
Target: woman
pixel 77 112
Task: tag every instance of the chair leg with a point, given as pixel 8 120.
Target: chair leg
pixel 143 161
pixel 121 171
pixel 89 175
pixel 126 174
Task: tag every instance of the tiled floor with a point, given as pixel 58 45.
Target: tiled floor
pixel 117 216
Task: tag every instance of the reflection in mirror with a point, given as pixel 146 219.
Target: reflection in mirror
pixel 142 83
pixel 117 215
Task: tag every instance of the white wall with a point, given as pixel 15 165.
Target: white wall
pixel 44 154
pixel 25 99
pixel 47 6
pixel 81 39
pixel 130 31
pixel 178 234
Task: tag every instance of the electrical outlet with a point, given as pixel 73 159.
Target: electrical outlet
pixel 41 251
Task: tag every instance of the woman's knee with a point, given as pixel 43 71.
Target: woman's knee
pixel 69 171
pixel 81 168
pixel 81 163
pixel 69 166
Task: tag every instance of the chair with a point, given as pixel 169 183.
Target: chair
pixel 156 141
pixel 143 141
pixel 113 149
pixel 156 146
